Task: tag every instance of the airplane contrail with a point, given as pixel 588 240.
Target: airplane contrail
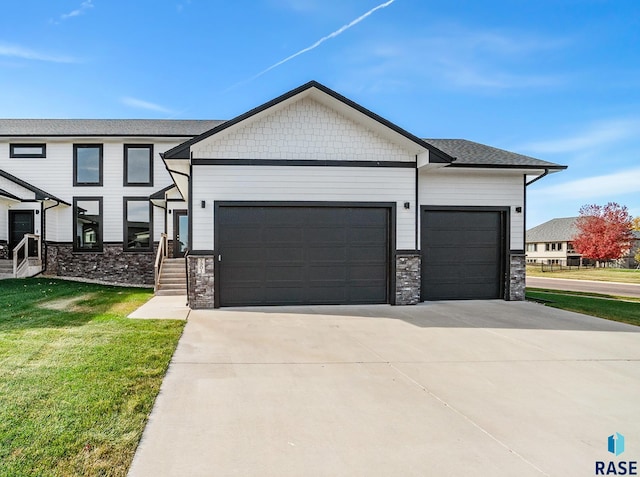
pixel 319 42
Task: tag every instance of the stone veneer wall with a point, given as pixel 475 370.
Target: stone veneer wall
pixel 517 277
pixel 200 290
pixel 111 265
pixel 408 276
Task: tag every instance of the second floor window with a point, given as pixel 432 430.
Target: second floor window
pixel 138 164
pixel 87 164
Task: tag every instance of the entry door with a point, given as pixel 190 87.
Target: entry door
pixel 180 233
pixel 20 223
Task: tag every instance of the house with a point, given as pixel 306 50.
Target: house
pixel 551 243
pixel 307 199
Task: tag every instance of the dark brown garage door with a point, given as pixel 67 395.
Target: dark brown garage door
pixel 293 255
pixel 462 254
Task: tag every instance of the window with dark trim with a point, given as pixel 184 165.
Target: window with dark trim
pixel 87 224
pixel 138 164
pixel 87 164
pixel 138 224
pixel 27 150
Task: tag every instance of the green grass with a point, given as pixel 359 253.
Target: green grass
pixel 77 378
pixel 626 310
pixel 598 274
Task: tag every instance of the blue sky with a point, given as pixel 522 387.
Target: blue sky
pixel 554 79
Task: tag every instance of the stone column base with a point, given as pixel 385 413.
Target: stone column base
pixel 408 276
pixel 517 277
pixel 200 290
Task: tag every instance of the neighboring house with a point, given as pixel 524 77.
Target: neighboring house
pixel 307 199
pixel 551 243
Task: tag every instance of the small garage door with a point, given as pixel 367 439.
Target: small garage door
pixel 462 254
pixel 294 255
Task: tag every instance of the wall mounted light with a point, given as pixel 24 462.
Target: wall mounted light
pixel 37 211
pixel 203 204
pixel 518 210
pixel 407 205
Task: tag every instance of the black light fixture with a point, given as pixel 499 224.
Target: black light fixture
pixel 203 204
pixel 407 205
pixel 518 210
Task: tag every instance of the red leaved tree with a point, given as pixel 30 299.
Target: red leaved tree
pixel 604 232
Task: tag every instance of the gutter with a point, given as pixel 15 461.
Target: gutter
pixel 546 171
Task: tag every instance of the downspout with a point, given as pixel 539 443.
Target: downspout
pixel 44 231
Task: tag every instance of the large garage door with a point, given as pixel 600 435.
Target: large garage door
pixel 462 254
pixel 291 255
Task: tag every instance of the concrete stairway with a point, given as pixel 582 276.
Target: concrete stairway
pixel 6 268
pixel 173 277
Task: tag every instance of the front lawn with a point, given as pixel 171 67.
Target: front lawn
pixel 621 275
pixel 77 378
pixel 626 310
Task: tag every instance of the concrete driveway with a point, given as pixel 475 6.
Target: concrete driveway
pixel 444 388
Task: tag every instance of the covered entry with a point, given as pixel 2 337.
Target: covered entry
pixel 293 254
pixel 463 253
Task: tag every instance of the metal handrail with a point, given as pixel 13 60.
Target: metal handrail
pixel 24 244
pixel 160 256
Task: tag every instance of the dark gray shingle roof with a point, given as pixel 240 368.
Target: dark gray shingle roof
pixel 555 230
pixel 473 153
pixel 105 127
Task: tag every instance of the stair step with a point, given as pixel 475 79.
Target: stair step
pixel 171 281
pixel 171 292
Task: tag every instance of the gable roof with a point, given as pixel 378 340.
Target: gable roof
pixel 9 195
pixel 473 154
pixel 182 151
pixel 555 230
pixel 39 193
pixel 104 127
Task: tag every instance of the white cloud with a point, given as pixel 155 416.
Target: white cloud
pixel 593 136
pixel 452 56
pixel 607 185
pixel 140 104
pixel 84 6
pixel 17 51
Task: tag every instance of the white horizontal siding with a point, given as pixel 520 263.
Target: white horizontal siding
pixel 305 130
pixel 455 187
pixel 301 184
pixel 174 205
pixel 54 174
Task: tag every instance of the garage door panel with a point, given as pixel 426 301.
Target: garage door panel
pixel 462 253
pixel 302 255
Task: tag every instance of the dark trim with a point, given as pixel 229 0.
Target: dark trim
pixel 202 253
pixel 301 162
pixel 517 252
pixel 99 242
pixel 8 195
pixel 125 172
pixel 505 233
pixel 417 207
pixel 126 224
pixel 40 194
pixel 13 154
pixel 182 151
pixel 161 194
pixel 545 173
pixel 508 166
pixel 97 134
pixel 392 218
pixel 100 148
pixel 407 252
pixel 190 208
pixel 524 208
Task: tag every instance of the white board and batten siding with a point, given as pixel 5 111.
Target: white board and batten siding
pixel 458 187
pixel 302 130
